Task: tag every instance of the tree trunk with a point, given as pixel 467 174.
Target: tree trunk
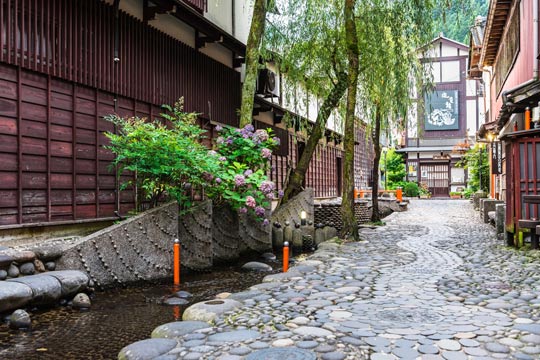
pixel 350 224
pixel 294 187
pixel 256 33
pixel 375 216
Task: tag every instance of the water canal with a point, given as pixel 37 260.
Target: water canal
pixel 117 318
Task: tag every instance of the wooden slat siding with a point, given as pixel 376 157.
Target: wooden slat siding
pixel 84 30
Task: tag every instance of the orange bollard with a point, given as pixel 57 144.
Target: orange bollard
pixel 356 192
pixel 285 256
pixel 176 262
pixel 176 312
pixel 399 194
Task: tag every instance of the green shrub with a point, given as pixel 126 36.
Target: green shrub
pixel 410 189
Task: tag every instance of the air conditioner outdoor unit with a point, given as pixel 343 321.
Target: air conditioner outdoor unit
pixel 268 83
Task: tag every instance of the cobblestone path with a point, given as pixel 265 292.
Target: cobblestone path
pixel 432 284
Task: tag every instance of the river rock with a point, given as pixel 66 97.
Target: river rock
pixel 27 268
pixel 13 295
pixel 45 289
pixel 81 301
pixel 178 329
pixel 256 266
pixel 3 274
pixel 329 232
pixel 73 281
pixel 147 349
pixel 268 256
pixel 5 261
pixel 50 265
pixel 183 294
pixel 19 256
pixel 208 311
pixel 38 264
pixel 20 319
pixel 13 271
pixel 234 336
pixel 175 301
pixel 48 253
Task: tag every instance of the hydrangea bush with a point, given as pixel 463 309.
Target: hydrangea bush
pixel 244 156
pixel 171 160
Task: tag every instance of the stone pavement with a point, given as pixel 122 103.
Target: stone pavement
pixel 432 284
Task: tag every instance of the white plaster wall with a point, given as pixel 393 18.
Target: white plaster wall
pixel 448 50
pixel 220 13
pixel 132 7
pixel 243 12
pixel 450 71
pixel 471 87
pixel 457 175
pixel 175 28
pixel 218 53
pixel 471 116
pixel 412 121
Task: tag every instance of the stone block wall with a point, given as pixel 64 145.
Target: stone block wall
pixel 329 213
pixel 291 210
pixel 137 249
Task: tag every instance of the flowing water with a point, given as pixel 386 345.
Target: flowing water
pixel 117 318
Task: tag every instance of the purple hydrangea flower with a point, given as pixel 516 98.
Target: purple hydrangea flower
pixel 262 135
pixel 219 128
pixel 277 140
pixel 242 210
pixel 280 193
pixel 267 187
pixel 269 196
pixel 218 180
pixel 249 128
pixel 239 180
pixel 259 210
pixel 207 176
pixel 248 172
pixel 222 158
pixel 266 222
pixel 266 153
pixel 250 202
pixel 212 153
pixel 220 140
pixel 229 141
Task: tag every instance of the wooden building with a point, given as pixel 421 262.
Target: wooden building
pixel 64 64
pixel 439 120
pixel 508 57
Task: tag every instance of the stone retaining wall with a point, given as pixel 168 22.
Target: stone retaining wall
pixel 329 214
pixel 137 249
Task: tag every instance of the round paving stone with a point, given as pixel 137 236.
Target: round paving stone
pixel 333 356
pixel 450 345
pixel 475 351
pixel 469 342
pixel 377 341
pixel 454 355
pixel 280 354
pixel 497 348
pixel 406 353
pixel 307 344
pixel 428 349
pixel 237 335
pixel 242 350
pixel 382 357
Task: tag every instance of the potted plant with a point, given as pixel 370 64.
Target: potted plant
pixel 424 192
pixel 455 195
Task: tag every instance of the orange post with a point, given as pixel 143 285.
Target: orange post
pixel 176 262
pixel 399 194
pixel 527 118
pixel 355 193
pixel 285 256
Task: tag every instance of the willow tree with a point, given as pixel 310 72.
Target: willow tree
pixel 350 224
pixel 253 46
pixel 309 38
pixel 390 33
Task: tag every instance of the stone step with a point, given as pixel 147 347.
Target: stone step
pixel 41 289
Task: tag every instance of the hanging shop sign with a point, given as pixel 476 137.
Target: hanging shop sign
pixel 496 157
pixel 442 110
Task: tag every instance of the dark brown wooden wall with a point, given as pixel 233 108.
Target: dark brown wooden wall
pixel 54 129
pixel 74 40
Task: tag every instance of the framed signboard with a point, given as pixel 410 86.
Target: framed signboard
pixel 442 110
pixel 496 158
